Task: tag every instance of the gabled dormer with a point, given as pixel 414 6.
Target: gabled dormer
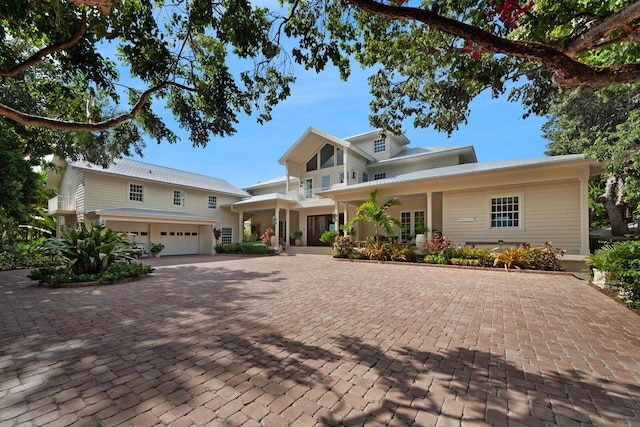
pixel 381 147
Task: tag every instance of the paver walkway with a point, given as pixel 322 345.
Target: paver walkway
pixel 307 340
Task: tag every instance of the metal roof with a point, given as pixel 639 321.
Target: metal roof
pixel 263 198
pixel 150 213
pixel 459 170
pixel 149 172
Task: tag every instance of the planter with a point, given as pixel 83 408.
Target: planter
pixel 273 241
pixel 420 239
pixel 298 242
pixel 602 280
pixel 155 254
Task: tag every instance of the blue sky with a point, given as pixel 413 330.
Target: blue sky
pixel 496 130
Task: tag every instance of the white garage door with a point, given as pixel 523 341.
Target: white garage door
pixel 179 239
pixel 137 232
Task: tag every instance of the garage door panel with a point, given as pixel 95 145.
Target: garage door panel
pixel 179 239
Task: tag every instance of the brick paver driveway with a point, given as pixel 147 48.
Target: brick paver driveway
pixel 308 340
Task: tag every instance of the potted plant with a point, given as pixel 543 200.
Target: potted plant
pixel 297 237
pixel 155 249
pixel 421 234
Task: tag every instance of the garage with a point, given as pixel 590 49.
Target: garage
pixel 179 239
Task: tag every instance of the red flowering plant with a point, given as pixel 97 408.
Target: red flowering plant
pixel 266 237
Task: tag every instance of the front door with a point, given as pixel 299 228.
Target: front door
pixel 316 225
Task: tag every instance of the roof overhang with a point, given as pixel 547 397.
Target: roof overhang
pixel 474 175
pixel 150 216
pixel 263 201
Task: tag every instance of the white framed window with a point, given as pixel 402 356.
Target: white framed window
pixel 418 221
pixel 405 225
pixel 505 212
pixel 365 177
pixel 226 235
pixel 212 202
pixel 136 193
pixel 380 145
pixel 308 188
pixel 178 198
pixel 382 175
pixel 326 182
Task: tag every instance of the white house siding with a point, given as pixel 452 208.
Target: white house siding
pixel 550 211
pixel 72 188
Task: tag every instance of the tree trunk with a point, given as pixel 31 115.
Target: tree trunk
pixel 614 204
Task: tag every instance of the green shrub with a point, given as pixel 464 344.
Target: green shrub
pixel 343 247
pixel 470 262
pixel 329 236
pixel 229 248
pixel 253 248
pixel 547 257
pixel 520 258
pixel 91 250
pixel 437 244
pixel 54 276
pixel 440 258
pixel 622 261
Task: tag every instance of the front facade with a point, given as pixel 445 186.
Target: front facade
pixel 152 204
pixel 442 189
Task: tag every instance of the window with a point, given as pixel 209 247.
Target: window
pixel 365 177
pixel 135 192
pixel 379 145
pixel 226 235
pixel 312 164
pixel 405 225
pixel 418 222
pixel 505 212
pixel 326 156
pixel 382 175
pixel 178 198
pixel 339 156
pixel 213 202
pixel 308 188
pixel 326 181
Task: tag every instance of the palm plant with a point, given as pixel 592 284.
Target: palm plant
pixel 370 212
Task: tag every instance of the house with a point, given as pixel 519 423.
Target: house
pixel 443 188
pixel 150 203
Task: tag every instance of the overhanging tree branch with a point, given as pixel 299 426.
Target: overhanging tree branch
pixel 32 120
pixel 568 72
pixel 37 57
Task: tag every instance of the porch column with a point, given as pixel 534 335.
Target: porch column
pixel 336 214
pixel 287 228
pixel 240 226
pixel 584 213
pixel 276 232
pixel 346 216
pixel 429 213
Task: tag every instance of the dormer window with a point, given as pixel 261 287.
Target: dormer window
pixel 380 145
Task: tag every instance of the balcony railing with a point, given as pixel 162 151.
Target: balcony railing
pixel 62 204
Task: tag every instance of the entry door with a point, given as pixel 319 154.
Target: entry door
pixel 316 225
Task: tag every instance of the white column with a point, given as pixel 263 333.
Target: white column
pixel 287 228
pixel 429 213
pixel 336 213
pixel 241 225
pixel 584 213
pixel 346 215
pixel 276 232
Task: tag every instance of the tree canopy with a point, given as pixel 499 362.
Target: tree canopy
pixel 65 65
pixel 431 58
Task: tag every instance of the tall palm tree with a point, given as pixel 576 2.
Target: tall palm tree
pixel 370 212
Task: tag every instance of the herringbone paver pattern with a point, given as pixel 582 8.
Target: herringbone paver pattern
pixel 301 341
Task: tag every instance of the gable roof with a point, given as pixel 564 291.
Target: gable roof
pixel 148 172
pixel 311 131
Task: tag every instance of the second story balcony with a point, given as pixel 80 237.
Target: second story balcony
pixel 61 205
